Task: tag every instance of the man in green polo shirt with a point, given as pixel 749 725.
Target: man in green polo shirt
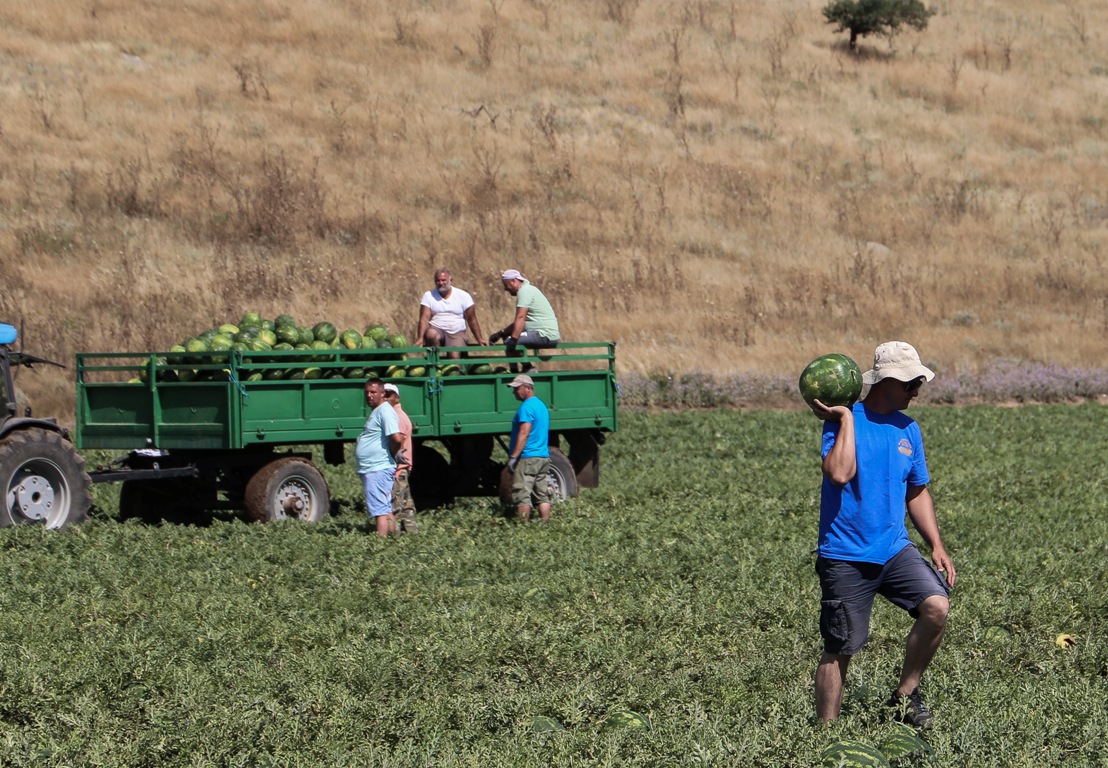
pixel 534 326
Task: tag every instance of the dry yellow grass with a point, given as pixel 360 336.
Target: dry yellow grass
pixel 696 179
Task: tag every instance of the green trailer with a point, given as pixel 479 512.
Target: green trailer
pixel 236 430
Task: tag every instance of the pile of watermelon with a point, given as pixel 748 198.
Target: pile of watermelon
pixel 257 334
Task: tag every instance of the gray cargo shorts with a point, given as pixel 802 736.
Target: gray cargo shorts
pixel 849 588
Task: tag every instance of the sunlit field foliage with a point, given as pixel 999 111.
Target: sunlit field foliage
pixel 682 589
pixel 682 176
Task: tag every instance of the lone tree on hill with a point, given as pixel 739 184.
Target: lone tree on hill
pixel 866 17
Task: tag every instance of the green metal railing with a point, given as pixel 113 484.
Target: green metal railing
pixel 231 400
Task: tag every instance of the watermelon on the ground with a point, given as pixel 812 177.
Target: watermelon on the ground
pixel 833 379
pixel 903 741
pixel 853 754
pixel 998 634
pixel 544 724
pixel 625 718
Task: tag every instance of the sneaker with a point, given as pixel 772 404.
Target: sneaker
pixel 910 709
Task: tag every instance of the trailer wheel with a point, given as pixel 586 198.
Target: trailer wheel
pixel 135 500
pixel 43 479
pixel 160 501
pixel 561 479
pixel 289 487
pixel 431 480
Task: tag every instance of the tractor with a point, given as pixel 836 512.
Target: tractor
pixel 42 476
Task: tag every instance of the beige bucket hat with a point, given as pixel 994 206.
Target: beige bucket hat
pixel 897 360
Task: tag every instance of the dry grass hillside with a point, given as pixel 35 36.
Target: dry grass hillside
pixel 717 184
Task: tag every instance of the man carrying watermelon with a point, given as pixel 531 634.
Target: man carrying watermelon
pixel 534 325
pixel 874 469
pixel 444 314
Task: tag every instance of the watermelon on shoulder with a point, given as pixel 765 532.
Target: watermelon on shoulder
pixel 833 379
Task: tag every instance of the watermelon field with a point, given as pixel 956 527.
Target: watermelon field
pixel 667 618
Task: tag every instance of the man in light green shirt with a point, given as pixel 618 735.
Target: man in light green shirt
pixel 535 326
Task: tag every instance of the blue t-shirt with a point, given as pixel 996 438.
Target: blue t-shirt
pixel 372 450
pixel 863 521
pixel 533 410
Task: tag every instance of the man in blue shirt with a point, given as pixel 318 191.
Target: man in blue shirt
pixel 873 469
pixel 377 452
pixel 529 451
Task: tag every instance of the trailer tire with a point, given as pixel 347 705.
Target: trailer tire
pixel 288 487
pixel 431 482
pixel 561 479
pixel 43 479
pixel 135 500
pixel 160 501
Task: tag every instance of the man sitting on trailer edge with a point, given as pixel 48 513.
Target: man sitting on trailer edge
pixel 535 325
pixel 379 449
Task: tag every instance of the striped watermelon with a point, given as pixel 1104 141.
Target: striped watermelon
pixel 853 754
pixel 832 379
pixel 625 718
pixel 544 724
pixel 903 741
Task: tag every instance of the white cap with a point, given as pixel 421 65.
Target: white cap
pixel 392 388
pixel 511 274
pixel 898 360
